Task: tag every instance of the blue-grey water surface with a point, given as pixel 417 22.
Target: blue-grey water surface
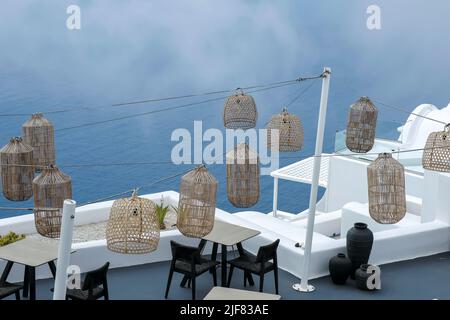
pixel 132 50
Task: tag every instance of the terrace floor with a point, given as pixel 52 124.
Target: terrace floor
pixel 423 278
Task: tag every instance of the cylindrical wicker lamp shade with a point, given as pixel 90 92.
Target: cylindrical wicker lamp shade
pixel 39 133
pixel 290 131
pixel 197 203
pixel 362 122
pixel 240 112
pixel 16 159
pixel 386 181
pixel 132 227
pixel 436 154
pixel 50 189
pixel 242 176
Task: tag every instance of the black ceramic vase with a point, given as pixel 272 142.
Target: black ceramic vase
pixel 361 277
pixel 359 245
pixel 340 268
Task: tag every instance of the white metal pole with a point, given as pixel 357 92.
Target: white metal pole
pixel 65 246
pixel 275 197
pixel 304 286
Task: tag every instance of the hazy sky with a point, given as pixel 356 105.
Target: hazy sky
pixel 153 48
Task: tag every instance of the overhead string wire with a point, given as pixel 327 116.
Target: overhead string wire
pixel 163 179
pixel 292 101
pixel 81 108
pixel 391 106
pixel 169 108
pixel 186 171
pixel 405 111
pixel 87 165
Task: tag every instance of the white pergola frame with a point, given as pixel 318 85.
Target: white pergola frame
pixel 301 172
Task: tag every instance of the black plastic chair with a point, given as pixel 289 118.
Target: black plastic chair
pixel 259 265
pixel 7 289
pixel 94 286
pixel 188 261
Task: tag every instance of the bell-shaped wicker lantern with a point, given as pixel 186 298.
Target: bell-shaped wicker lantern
pixel 50 189
pixel 39 133
pixel 290 131
pixel 197 203
pixel 362 122
pixel 16 159
pixel 240 112
pixel 242 176
pixel 436 154
pixel 132 227
pixel 386 180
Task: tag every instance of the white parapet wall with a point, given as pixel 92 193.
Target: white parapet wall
pixel 409 239
pixel 92 254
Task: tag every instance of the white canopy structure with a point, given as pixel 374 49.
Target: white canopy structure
pixel 300 171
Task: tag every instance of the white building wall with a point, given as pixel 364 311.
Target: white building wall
pixel 347 182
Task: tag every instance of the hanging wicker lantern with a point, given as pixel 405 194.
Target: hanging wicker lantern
pixel 50 189
pixel 132 226
pixel 240 112
pixel 290 131
pixel 38 132
pixel 436 154
pixel 197 203
pixel 362 122
pixel 242 176
pixel 386 180
pixel 16 160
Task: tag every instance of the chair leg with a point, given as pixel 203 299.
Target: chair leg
pixel 214 275
pixel 17 293
pixel 26 282
pixel 193 288
pixel 183 282
pixel 189 282
pixel 230 275
pixel 105 290
pixel 250 279
pixel 275 274
pixel 245 278
pixel 261 282
pixel 168 282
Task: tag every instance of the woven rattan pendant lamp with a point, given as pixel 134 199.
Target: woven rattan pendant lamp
pixel 386 180
pixel 132 227
pixel 436 154
pixel 16 159
pixel 242 176
pixel 290 131
pixel 38 132
pixel 362 122
pixel 50 189
pixel 197 203
pixel 240 111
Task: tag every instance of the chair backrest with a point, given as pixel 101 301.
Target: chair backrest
pixel 185 253
pixel 267 252
pixel 95 278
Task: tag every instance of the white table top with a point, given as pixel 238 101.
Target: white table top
pixel 229 234
pixel 30 252
pixel 222 293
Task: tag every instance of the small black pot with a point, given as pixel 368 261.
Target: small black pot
pixel 359 245
pixel 361 277
pixel 340 268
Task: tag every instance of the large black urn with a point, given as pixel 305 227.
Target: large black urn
pixel 359 245
pixel 340 268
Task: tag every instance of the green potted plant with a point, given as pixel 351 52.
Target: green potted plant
pixel 161 212
pixel 11 237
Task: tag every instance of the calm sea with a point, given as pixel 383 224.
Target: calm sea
pixel 150 49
